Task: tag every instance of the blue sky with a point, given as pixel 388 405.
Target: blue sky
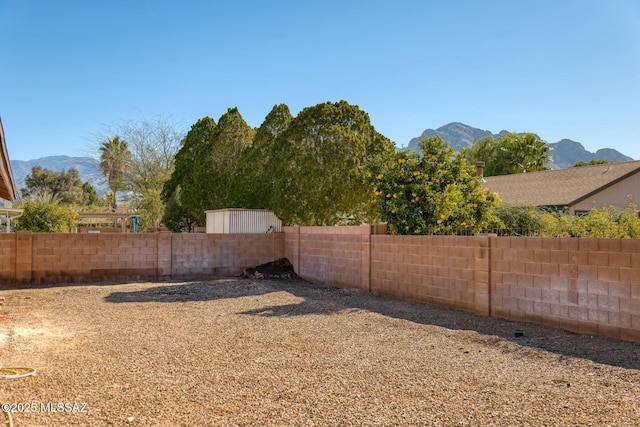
pixel 560 68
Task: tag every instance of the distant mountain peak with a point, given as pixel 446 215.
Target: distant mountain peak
pixel 457 134
pixel 454 125
pixel 565 152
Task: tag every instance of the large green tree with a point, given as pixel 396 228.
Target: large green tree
pixel 253 181
pixel 66 185
pixel 436 192
pixel 322 163
pixel 115 160
pixel 176 218
pixel 90 196
pixel 205 166
pixel 214 169
pixel 510 153
pixel 182 191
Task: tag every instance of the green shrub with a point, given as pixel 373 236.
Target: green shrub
pixel 608 222
pixel 45 218
pixel 605 222
pixel 515 220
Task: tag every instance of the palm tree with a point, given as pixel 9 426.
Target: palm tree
pixel 531 154
pixel 46 197
pixel 114 159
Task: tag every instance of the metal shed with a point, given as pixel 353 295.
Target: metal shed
pixel 242 221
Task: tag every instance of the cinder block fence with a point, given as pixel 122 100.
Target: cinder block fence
pixel 587 286
pixel 37 258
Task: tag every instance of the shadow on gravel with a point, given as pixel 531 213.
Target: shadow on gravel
pixel 322 300
pixel 193 291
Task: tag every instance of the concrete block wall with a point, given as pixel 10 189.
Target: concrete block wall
pixel 38 258
pixel 92 257
pixel 589 286
pixel 331 255
pixel 451 271
pixel 8 243
pixel 198 254
pixel 447 270
pixel 292 245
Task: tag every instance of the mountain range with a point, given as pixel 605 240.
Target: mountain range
pixel 564 153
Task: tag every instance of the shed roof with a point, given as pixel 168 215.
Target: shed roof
pixel 560 187
pixel 7 184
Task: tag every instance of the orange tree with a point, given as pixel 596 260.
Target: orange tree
pixel 432 192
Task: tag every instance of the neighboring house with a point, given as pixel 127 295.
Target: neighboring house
pixel 7 186
pixel 578 189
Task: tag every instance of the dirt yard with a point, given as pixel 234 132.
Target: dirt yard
pixel 275 352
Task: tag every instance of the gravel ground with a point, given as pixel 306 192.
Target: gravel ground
pixel 276 352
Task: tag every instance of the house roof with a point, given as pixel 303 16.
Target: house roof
pixel 560 187
pixel 7 184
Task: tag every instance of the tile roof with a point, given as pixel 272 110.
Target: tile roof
pixel 561 186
